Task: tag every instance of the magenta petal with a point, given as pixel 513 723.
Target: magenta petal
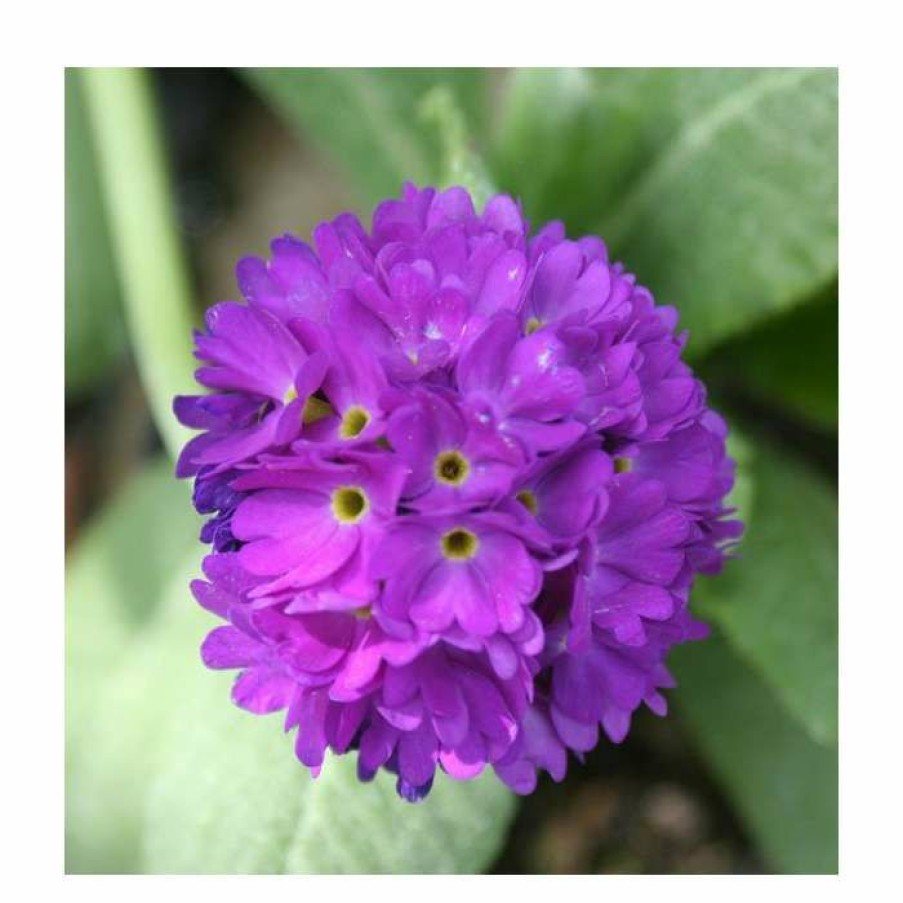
pixel 417 754
pixel 481 367
pixel 503 285
pixel 377 744
pixel 464 769
pixel 555 277
pixel 261 690
pixel 575 734
pixel 454 591
pixel 248 350
pixel 226 647
pixel 292 533
pixel 311 742
pixel 405 716
pixel 512 576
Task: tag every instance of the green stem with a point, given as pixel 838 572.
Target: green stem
pixel 461 165
pixel 150 260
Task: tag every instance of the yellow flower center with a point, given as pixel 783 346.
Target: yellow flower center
pixel 349 504
pixel 623 465
pixel 528 499
pixel 459 544
pixel 533 324
pixel 354 421
pixel 316 409
pixel 451 468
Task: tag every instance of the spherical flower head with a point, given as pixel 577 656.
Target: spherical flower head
pixel 459 482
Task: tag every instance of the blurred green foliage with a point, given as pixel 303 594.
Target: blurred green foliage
pixel 95 334
pixel 719 188
pixel 115 578
pixel 777 603
pixel 783 784
pixel 789 363
pixel 369 120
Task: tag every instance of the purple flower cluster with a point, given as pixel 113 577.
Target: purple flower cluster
pixel 459 482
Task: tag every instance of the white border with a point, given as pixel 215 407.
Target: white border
pixel 863 41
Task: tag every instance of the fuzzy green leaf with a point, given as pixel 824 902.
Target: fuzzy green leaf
pixel 230 797
pixel 458 829
pixel 115 577
pixel 114 749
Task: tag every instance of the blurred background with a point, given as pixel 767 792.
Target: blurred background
pixel 717 187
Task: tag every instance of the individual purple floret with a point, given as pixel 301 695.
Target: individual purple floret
pixel 459 483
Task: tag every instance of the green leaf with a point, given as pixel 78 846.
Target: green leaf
pixel 458 829
pixel 368 119
pixel 741 496
pixel 226 795
pixel 783 784
pixel 717 187
pixel 790 364
pixel 115 576
pixel 570 140
pixel 115 752
pixel 230 797
pixel 95 332
pixel 777 602
pixel 123 559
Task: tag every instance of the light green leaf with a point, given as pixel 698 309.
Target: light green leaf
pixel 458 829
pixel 777 602
pixel 115 576
pixel 230 797
pixel 741 496
pixel 226 795
pixel 116 751
pixel 123 558
pixel 737 217
pixel 790 364
pixel 368 119
pixel 717 187
pixel 95 332
pixel 783 785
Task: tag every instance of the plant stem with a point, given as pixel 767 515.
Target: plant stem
pixel 151 263
pixel 461 165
